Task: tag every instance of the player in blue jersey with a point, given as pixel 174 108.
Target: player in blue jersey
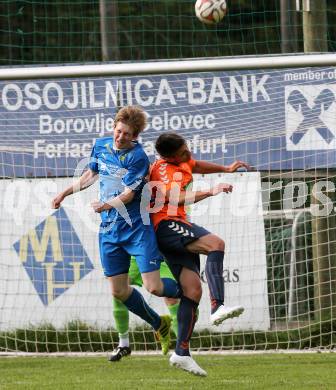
pixel 121 165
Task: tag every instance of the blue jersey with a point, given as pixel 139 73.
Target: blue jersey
pixel 118 170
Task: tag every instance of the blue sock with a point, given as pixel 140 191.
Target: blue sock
pixel 171 288
pixel 137 305
pixel 186 318
pixel 214 275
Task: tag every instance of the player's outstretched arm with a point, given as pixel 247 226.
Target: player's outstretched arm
pixel 85 181
pixel 209 167
pixel 222 187
pixel 178 198
pixel 237 165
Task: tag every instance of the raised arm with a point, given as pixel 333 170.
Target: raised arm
pixel 177 198
pixel 85 181
pixel 208 167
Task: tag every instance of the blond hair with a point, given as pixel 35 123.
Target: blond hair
pixel 134 117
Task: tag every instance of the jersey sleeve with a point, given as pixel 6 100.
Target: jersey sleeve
pixel 192 163
pixel 93 163
pixel 137 171
pixel 165 175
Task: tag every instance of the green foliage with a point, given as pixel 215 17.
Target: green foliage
pixel 161 29
pixel 49 32
pixel 58 31
pixel 278 254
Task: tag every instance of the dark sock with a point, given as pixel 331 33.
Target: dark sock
pixel 214 275
pixel 186 317
pixel 137 305
pixel 171 289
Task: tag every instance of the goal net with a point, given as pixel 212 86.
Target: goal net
pixel 85 30
pixel 278 224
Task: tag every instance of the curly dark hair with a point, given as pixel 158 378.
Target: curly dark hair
pixel 168 144
pixel 132 116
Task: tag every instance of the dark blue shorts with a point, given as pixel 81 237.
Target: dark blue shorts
pixel 172 237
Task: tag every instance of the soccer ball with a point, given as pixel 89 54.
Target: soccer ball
pixel 210 11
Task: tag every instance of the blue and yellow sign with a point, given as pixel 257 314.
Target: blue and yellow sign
pixel 275 119
pixel 53 256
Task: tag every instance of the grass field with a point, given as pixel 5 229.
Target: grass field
pixel 269 371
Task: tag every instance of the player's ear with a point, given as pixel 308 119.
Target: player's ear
pixel 135 134
pixel 169 159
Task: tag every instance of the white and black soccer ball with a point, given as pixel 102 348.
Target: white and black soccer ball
pixel 210 11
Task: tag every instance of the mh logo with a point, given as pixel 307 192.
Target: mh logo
pixel 310 117
pixel 53 256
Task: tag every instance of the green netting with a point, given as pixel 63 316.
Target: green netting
pixel 58 31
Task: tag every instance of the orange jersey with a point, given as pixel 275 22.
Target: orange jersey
pixel 171 177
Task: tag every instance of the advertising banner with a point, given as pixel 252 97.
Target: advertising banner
pixel 50 267
pixel 273 119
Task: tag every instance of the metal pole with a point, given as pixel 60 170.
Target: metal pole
pixel 292 269
pixel 109 30
pixel 288 26
pixel 324 254
pixel 314 22
pixel 168 67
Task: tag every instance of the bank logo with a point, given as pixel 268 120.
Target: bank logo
pixel 310 117
pixel 53 256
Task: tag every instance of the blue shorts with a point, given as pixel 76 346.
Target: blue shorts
pixel 121 241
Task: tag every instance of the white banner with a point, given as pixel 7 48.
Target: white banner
pixel 50 270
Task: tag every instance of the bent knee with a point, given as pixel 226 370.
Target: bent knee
pixel 216 244
pixel 206 244
pixel 154 289
pixel 120 294
pixel 193 291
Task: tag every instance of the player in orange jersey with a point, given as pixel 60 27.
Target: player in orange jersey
pixel 182 242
